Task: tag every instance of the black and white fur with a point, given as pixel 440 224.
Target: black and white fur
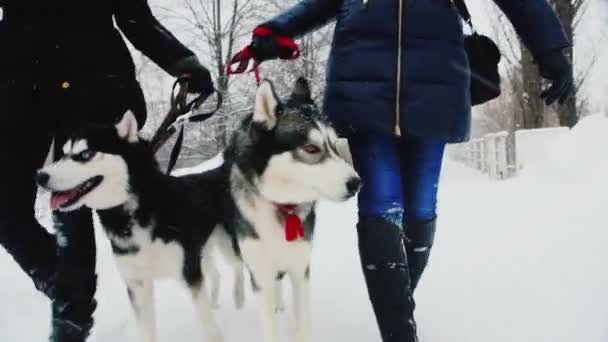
pixel 284 154
pixel 157 224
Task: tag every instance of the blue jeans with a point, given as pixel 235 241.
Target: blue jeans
pixel 397 208
pixel 400 176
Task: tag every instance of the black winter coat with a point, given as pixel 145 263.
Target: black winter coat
pixel 72 47
pixel 375 79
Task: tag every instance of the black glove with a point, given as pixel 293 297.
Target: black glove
pixel 264 45
pixel 556 68
pixel 200 78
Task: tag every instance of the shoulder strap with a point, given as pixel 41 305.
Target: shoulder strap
pixel 462 8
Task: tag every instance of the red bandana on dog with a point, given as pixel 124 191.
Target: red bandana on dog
pixel 294 228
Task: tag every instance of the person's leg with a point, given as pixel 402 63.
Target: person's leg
pixel 383 256
pixel 86 102
pixel 421 160
pixel 24 144
pixel 76 283
pixel 74 302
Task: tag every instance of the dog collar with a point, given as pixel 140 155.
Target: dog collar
pixel 294 228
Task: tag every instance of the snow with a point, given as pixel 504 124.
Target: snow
pixel 519 260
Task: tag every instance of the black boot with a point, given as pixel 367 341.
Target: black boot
pixel 33 248
pixel 387 275
pixel 73 303
pixel 64 330
pixel 419 237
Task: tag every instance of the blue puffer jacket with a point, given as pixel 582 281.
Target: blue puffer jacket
pixel 419 83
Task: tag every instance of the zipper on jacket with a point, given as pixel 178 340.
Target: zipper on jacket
pixel 398 90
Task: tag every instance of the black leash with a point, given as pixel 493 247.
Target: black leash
pixel 178 115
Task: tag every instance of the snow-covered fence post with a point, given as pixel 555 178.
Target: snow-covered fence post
pixel 475 154
pixel 481 156
pixel 490 155
pixel 470 154
pixel 495 159
pixel 502 164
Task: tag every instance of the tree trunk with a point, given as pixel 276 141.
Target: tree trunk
pixel 532 105
pixel 568 112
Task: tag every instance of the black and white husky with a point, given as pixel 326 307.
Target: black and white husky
pixel 262 200
pixel 157 224
pixel 280 163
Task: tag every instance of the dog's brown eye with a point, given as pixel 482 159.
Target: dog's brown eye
pixel 312 149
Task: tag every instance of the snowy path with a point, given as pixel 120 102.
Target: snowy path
pixel 515 261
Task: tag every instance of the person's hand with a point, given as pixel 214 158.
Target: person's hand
pixel 200 78
pixel 556 68
pixel 200 81
pixel 265 46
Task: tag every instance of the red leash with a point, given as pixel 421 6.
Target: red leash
pixel 294 228
pixel 244 56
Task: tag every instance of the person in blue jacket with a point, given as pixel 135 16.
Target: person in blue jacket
pixel 64 64
pixel 398 88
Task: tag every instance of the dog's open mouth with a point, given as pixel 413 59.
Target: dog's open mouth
pixel 62 199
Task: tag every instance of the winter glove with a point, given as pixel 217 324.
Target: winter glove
pixel 266 45
pixel 556 68
pixel 200 78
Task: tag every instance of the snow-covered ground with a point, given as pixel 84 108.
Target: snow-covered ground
pixel 521 260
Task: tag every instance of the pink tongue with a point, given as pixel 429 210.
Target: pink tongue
pixel 60 198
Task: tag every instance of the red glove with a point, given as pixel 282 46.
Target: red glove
pixel 265 45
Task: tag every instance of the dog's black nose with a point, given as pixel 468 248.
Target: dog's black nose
pixel 353 185
pixel 42 178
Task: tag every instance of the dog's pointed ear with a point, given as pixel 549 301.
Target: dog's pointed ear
pixel 301 91
pixel 127 127
pixel 266 105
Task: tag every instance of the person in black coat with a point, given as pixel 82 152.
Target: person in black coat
pixel 398 85
pixel 64 64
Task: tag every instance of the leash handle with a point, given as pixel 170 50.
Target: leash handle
pixel 178 104
pixel 243 58
pixel 180 122
pixel 178 115
pixel 181 107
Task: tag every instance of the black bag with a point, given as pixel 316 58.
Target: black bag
pixel 484 57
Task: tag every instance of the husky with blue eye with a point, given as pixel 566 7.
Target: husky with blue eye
pixel 158 225
pixel 257 208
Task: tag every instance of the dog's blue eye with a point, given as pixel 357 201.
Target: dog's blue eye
pixel 86 155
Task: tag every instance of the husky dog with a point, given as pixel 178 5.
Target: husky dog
pixel 280 162
pixel 258 207
pixel 157 224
